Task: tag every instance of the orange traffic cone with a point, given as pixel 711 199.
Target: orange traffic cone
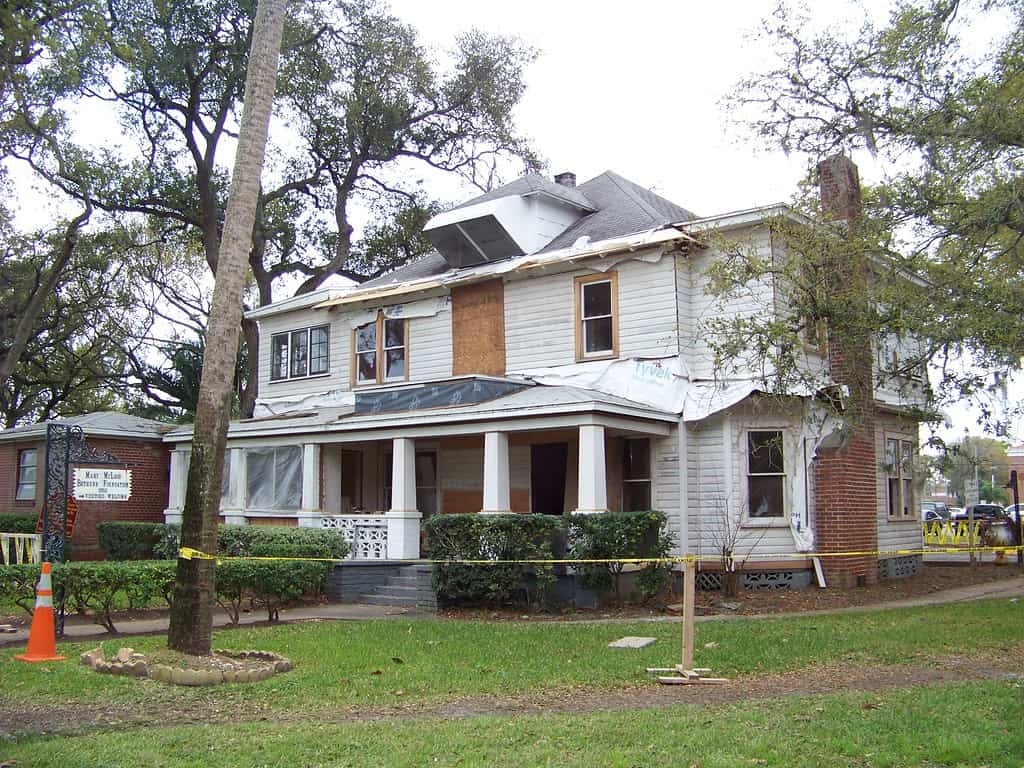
pixel 42 638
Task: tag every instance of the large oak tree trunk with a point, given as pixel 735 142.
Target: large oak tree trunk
pixel 192 610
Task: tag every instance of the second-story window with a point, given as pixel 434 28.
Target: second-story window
pixel 380 351
pixel 304 352
pixel 597 301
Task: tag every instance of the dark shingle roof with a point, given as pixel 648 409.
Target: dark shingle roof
pixel 619 207
pixel 427 266
pixel 623 208
pixel 532 183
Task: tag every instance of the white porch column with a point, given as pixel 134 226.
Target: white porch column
pixel 233 506
pixel 309 512
pixel 593 486
pixel 403 517
pixel 497 485
pixel 177 484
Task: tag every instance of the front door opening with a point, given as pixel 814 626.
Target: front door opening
pixel 548 464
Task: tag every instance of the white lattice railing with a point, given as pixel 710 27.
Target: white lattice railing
pixel 368 534
pixel 21 548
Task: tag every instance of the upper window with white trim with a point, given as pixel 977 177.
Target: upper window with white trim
pixel 300 353
pixel 27 462
pixel 597 302
pixel 380 349
pixel 766 474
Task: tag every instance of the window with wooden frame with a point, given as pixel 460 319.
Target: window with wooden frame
pixel 766 475
pixel 27 464
pixel 300 353
pixel 597 316
pixel 636 474
pixel 380 349
pixel 899 471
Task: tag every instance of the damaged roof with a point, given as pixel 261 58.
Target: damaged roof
pixel 617 207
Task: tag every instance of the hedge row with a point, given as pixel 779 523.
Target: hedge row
pixel 544 537
pixel 101 588
pixel 159 541
pixel 17 523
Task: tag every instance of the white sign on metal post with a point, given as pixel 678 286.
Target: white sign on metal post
pixel 102 484
pixel 972 494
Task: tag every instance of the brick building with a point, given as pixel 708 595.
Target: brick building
pixel 134 441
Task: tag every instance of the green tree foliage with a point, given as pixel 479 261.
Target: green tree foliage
pixel 945 119
pixel 976 456
pixel 363 114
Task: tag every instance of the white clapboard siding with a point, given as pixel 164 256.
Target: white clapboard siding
pixel 893 534
pixel 665 491
pixel 699 306
pixel 338 364
pixel 430 347
pixel 717 487
pixel 540 325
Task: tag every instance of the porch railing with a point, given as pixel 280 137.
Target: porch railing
pixel 17 548
pixel 368 534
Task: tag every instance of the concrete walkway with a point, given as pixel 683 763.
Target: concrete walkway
pixel 77 630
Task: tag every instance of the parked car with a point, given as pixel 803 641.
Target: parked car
pixel 981 512
pixel 1011 510
pixel 932 511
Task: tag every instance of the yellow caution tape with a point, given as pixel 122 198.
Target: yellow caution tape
pixel 188 553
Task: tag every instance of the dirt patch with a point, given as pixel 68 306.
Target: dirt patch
pixel 159 710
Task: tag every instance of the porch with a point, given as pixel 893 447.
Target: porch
pixel 377 477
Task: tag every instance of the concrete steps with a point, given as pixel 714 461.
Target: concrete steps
pixel 383 583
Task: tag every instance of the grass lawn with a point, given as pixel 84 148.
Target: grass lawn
pixel 353 664
pixel 970 724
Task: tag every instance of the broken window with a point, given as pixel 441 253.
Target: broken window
pixel 380 350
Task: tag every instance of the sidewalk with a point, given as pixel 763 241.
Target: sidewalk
pixel 75 630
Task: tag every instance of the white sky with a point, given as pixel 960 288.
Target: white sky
pixel 637 89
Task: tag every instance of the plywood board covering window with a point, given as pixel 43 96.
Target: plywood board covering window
pixel 597 316
pixel 381 351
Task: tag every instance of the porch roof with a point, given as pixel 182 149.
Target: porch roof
pixel 532 407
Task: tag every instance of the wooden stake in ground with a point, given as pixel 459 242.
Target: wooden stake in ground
pixel 687 674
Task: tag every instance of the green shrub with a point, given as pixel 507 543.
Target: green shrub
pixel 103 587
pixel 18 583
pixel 18 523
pixel 266 583
pixel 264 541
pixel 130 541
pixel 617 535
pixel 280 541
pixel 493 537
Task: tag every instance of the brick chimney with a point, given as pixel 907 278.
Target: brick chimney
pixel 839 187
pixel 846 476
pixel 566 179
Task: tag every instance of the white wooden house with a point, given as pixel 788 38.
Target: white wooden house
pixel 552 357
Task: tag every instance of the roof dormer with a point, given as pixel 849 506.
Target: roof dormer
pixel 516 219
